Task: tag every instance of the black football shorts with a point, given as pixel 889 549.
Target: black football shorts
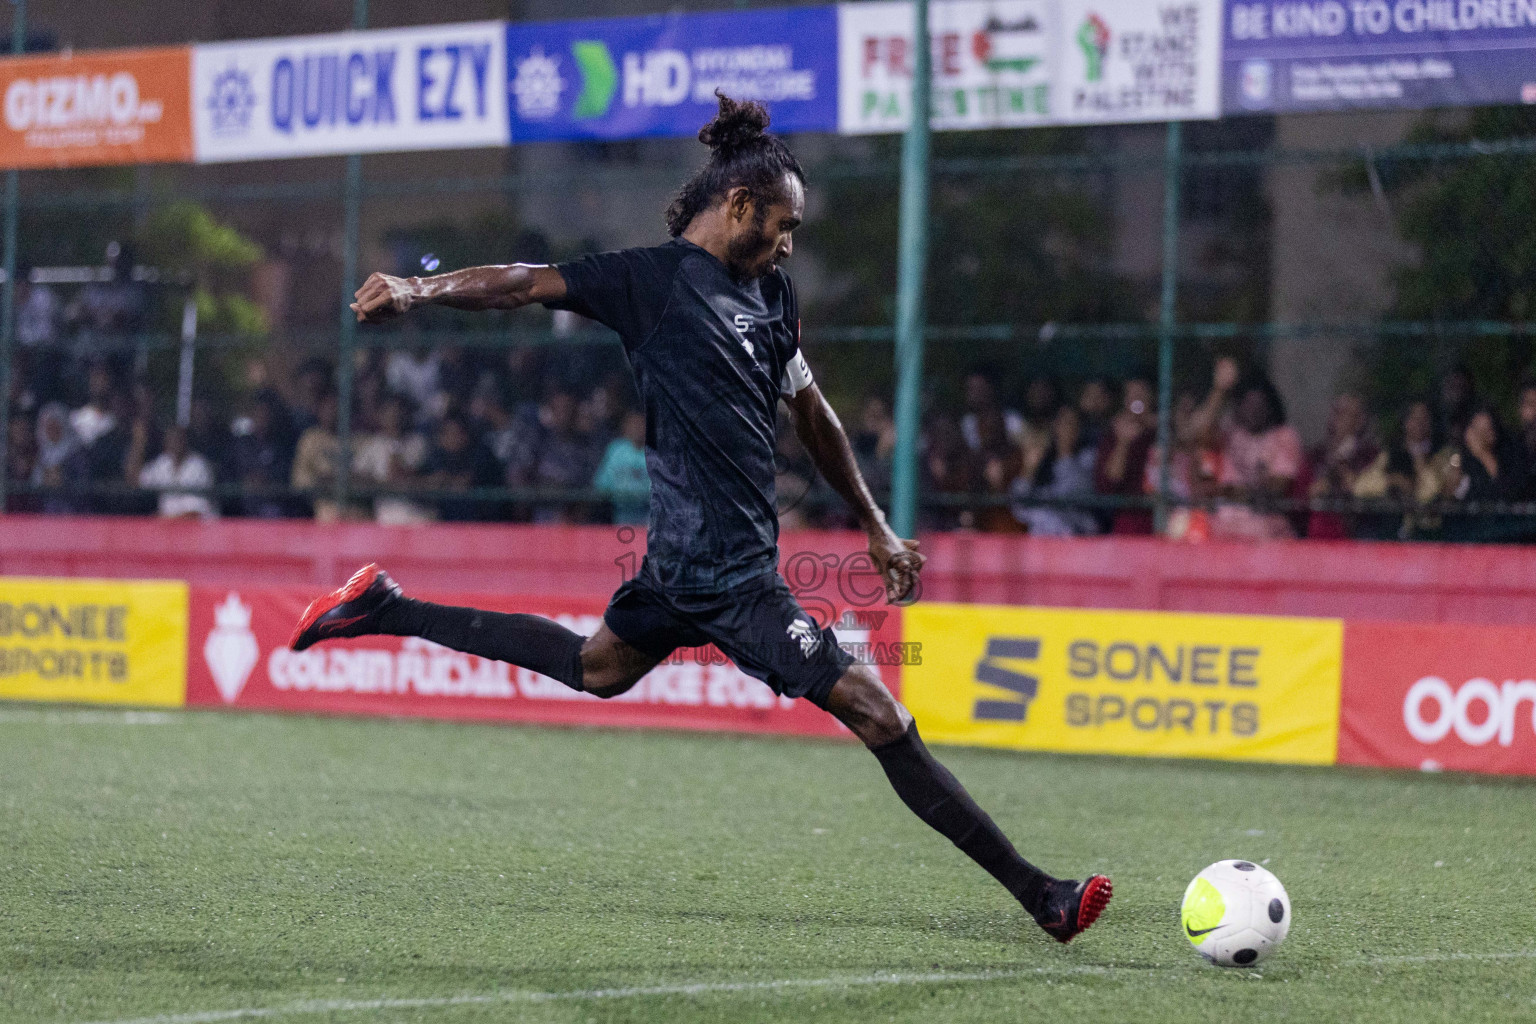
pixel 757 624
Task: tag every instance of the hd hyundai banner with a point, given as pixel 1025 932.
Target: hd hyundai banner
pixel 1285 55
pixel 433 87
pixel 621 78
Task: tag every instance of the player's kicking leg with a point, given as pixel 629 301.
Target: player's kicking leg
pixel 371 603
pixel 604 665
pixel 1064 908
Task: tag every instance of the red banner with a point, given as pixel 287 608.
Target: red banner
pixel 239 657
pixel 1439 696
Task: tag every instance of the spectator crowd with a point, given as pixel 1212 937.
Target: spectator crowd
pixel 436 434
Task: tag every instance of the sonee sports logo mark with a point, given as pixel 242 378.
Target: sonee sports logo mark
pixel 993 674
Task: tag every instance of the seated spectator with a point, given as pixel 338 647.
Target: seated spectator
pixel 1416 468
pixel 393 456
pixel 564 459
pixel 1261 458
pixel 144 436
pixel 1195 464
pixel 180 467
pixel 457 376
pixel 37 312
pixel 106 315
pixel 1041 397
pixel 412 373
pixel 39 368
pixel 981 397
pixel 20 459
pixel 622 475
pixel 997 462
pixel 57 463
pixel 493 421
pixel 599 415
pixel 95 417
pixel 1096 405
pixel 106 458
pixel 263 457
pixel 1456 401
pixel 874 443
pixel 1064 472
pixel 1490 469
pixel 208 433
pixel 1120 466
pixel 1525 408
pixel 312 383
pixel 316 459
pixel 457 461
pixel 1347 450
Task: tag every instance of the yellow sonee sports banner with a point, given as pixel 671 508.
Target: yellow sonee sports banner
pixel 93 641
pixel 1236 687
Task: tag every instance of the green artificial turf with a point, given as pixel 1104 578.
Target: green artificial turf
pixel 174 866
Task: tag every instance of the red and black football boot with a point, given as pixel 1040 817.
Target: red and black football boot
pixel 1071 907
pixel 351 611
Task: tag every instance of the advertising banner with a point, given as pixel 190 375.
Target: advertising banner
pixel 433 87
pixel 1139 60
pixel 1015 63
pixel 93 641
pixel 621 78
pixel 1232 687
pixel 239 658
pixel 990 63
pixel 1459 697
pixel 1286 56
pixel 96 108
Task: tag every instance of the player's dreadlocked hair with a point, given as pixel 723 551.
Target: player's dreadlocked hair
pixel 742 153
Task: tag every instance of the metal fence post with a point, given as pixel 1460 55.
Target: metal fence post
pixel 1173 158
pixel 8 287
pixel 352 202
pixel 912 260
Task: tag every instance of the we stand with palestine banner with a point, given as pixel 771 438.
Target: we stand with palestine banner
pixel 836 69
pixel 1016 63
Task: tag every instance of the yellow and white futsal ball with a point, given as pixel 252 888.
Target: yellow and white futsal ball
pixel 1236 913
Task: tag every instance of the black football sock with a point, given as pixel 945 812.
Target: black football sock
pixel 528 641
pixel 937 797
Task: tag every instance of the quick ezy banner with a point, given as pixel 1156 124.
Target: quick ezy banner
pixel 432 87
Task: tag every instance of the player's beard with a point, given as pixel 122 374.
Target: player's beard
pixel 750 256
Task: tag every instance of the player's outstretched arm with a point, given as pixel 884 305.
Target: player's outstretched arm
pixel 383 296
pixel 821 432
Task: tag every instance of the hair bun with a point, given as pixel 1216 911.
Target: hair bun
pixel 735 126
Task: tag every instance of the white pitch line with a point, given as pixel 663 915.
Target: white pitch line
pixel 1439 958
pixel 313 1007
pixel 584 995
pixel 88 717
